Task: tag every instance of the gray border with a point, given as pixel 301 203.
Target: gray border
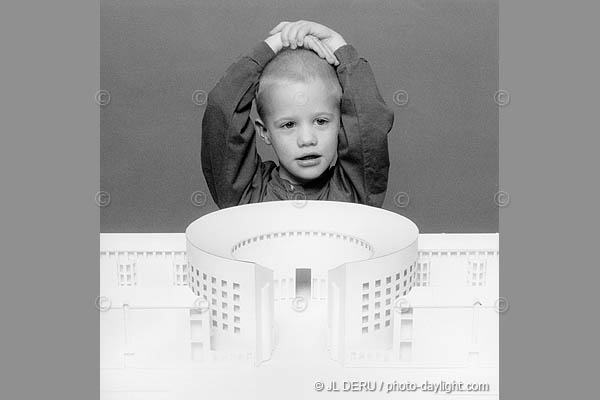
pixel 547 67
pixel 50 174
pixel 50 170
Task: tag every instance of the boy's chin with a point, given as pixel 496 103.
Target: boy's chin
pixel 308 176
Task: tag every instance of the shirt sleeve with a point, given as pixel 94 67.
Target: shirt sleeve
pixel 230 161
pixel 366 120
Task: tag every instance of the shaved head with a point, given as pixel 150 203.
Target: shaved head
pixel 295 65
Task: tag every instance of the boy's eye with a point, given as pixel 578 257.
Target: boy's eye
pixel 322 121
pixel 288 125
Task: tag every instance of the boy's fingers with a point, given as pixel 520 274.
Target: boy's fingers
pixel 292 34
pixel 310 43
pixel 284 35
pixel 324 52
pixel 334 60
pixel 278 27
pixel 331 59
pixel 301 33
pixel 317 30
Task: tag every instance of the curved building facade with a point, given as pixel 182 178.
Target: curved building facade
pixel 358 259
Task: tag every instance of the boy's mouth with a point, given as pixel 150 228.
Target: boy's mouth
pixel 310 156
pixel 309 160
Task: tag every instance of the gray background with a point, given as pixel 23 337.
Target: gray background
pixel 443 147
pixel 49 169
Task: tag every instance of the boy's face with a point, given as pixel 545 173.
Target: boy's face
pixel 302 125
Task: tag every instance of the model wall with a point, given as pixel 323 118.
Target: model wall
pixel 379 231
pixel 372 286
pixel 229 288
pixel 145 306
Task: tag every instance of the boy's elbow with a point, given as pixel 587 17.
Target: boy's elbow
pixel 218 96
pixel 214 97
pixel 389 118
pixel 385 118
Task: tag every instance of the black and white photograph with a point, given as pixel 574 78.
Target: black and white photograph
pixel 301 196
pixel 270 199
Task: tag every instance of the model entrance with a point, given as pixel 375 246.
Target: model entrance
pixel 303 279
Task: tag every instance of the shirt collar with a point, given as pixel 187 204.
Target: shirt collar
pixel 314 186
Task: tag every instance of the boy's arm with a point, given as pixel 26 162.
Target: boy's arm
pixel 229 158
pixel 366 121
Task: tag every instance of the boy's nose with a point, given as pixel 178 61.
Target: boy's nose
pixel 307 137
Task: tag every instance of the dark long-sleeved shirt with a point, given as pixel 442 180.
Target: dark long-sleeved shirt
pixel 234 171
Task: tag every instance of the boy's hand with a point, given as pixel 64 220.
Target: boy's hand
pixel 293 34
pixel 274 42
pixel 310 42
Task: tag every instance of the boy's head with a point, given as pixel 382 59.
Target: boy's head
pixel 298 103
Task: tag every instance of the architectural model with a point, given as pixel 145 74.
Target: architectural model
pixel 230 290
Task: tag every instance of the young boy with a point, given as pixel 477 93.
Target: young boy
pixel 320 110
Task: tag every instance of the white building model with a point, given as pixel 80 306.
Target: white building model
pixel 377 293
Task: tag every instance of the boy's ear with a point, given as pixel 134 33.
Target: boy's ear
pixel 261 130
